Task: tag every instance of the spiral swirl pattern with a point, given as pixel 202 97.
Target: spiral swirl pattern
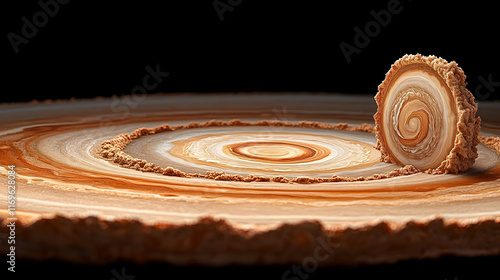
pixel 426 116
pixel 157 173
pixel 250 149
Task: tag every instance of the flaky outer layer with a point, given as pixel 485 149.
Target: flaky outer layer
pixel 213 242
pixel 464 152
pixel 76 207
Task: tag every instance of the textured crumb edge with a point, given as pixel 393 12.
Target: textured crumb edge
pixel 492 142
pixel 464 153
pixel 213 242
pixel 113 151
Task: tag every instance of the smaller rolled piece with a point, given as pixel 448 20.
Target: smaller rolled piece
pixel 426 117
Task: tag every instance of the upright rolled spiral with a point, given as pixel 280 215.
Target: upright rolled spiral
pixel 426 117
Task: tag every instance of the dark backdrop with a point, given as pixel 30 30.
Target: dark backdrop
pixel 90 48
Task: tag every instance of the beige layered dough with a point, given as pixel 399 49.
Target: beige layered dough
pixel 426 116
pixel 261 185
pixel 251 151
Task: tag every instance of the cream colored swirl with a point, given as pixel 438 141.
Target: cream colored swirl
pixel 426 116
pixel 167 172
pixel 253 150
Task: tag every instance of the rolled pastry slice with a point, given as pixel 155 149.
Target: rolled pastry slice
pixel 426 117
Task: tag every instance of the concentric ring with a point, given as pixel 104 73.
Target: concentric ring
pixel 275 151
pixel 56 149
pixel 250 149
pixel 426 116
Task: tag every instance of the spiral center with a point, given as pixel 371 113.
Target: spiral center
pixel 268 151
pixel 412 120
pixel 250 150
pixel 413 127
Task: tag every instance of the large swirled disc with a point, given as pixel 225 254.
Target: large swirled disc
pixel 420 111
pixel 90 181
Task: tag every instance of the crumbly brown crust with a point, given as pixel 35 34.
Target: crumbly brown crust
pixel 113 150
pixel 463 154
pixel 93 240
pixel 493 142
pixel 470 227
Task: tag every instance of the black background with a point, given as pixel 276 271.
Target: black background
pixel 92 48
pixel 445 268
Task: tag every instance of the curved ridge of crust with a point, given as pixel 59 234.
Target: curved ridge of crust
pixel 215 242
pixel 113 151
pixel 464 152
